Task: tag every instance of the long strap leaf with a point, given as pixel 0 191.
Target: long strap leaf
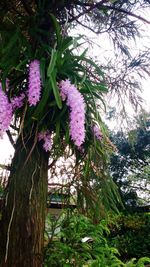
pixel 55 90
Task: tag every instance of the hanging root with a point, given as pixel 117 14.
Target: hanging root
pixel 32 148
pixel 8 231
pixel 30 195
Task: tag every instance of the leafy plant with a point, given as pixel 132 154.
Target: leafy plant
pixel 68 248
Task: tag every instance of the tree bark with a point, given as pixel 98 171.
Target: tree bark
pixel 23 217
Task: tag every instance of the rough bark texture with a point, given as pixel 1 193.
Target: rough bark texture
pixel 23 218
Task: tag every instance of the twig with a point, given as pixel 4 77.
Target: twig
pixel 91 29
pixel 26 7
pixel 58 184
pixel 129 13
pixel 81 14
pixel 52 164
pixel 14 127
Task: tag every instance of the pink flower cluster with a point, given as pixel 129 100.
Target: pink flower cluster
pixel 5 112
pixel 75 102
pixel 17 101
pixel 97 132
pixel 46 137
pixel 34 89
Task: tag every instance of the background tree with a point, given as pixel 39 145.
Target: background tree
pixel 37 53
pixel 130 166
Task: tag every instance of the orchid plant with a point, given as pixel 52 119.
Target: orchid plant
pixel 56 93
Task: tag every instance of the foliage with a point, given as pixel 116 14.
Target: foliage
pixel 66 245
pixel 130 166
pixel 140 263
pixel 130 234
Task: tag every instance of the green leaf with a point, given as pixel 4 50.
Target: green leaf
pixel 83 78
pixel 4 77
pixel 39 109
pixel 61 113
pixel 76 44
pixel 57 28
pixel 97 96
pixel 67 134
pixel 55 90
pixel 66 43
pixel 42 70
pixel 22 63
pixel 91 62
pixel 52 62
pixel 11 43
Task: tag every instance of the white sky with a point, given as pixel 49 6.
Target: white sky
pixel 6 150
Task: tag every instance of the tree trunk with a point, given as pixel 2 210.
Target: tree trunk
pixel 23 217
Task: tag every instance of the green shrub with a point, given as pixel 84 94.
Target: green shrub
pixel 130 234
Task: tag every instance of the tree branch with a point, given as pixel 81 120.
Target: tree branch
pixel 89 28
pixel 58 184
pixel 101 5
pixel 5 167
pixel 10 138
